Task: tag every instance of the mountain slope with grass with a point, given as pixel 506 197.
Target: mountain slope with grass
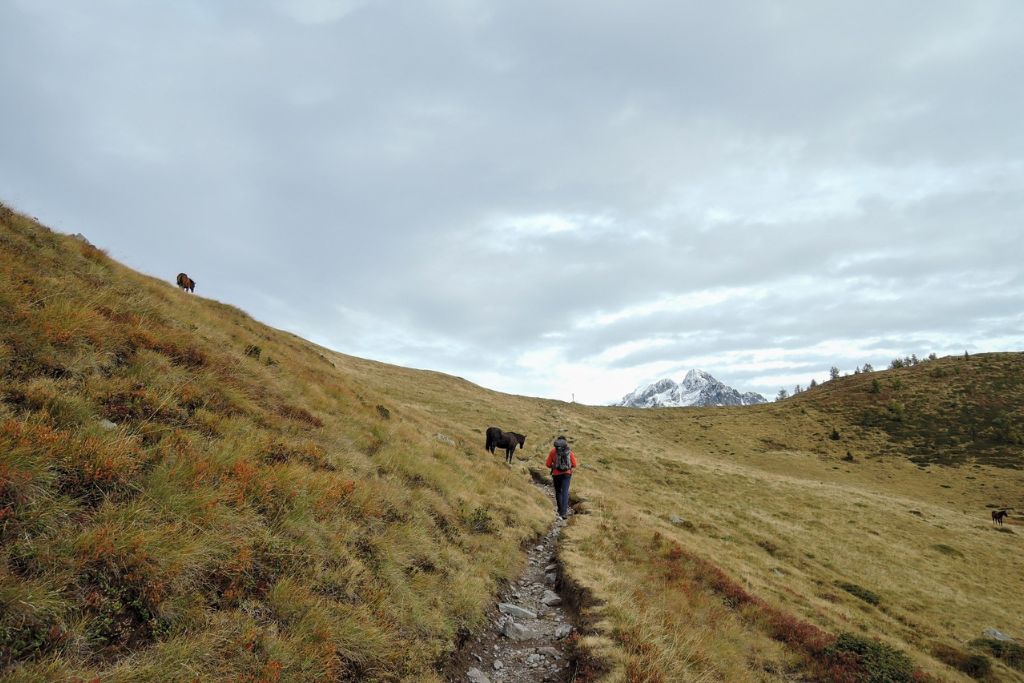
pixel 186 494
pixel 949 411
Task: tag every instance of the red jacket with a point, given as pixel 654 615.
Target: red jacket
pixel 551 462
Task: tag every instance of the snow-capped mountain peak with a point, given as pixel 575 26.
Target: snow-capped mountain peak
pixel 698 388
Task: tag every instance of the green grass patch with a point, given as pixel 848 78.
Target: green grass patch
pixel 1010 653
pixel 864 594
pixel 870 661
pixel 947 550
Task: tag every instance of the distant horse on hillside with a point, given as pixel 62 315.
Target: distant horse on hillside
pixel 186 283
pixel 998 515
pixel 507 440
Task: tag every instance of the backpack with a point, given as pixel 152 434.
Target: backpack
pixel 563 461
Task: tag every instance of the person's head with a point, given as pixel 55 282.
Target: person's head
pixel 561 439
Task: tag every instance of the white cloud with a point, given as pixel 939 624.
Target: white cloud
pixel 677 303
pixel 544 198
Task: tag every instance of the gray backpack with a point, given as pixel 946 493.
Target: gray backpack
pixel 563 461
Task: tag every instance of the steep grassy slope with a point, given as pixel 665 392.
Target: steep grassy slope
pixel 290 513
pixel 244 514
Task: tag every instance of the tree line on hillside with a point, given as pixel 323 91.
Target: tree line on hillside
pixel 834 372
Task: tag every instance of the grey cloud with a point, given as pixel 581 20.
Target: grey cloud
pixel 362 153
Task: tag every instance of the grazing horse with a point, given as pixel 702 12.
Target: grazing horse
pixel 186 283
pixel 507 440
pixel 997 516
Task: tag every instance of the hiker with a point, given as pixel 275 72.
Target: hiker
pixel 562 462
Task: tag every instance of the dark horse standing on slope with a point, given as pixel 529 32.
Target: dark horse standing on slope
pixel 186 283
pixel 507 440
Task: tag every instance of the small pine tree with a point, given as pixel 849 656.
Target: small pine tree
pixel 856 370
pixel 868 368
pixel 782 394
pixel 913 359
pixel 797 390
pixel 876 386
pixel 813 383
pixel 896 363
pixel 834 372
pixel 933 356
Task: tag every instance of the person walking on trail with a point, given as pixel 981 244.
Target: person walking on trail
pixel 562 462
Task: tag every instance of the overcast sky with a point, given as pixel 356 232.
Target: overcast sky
pixel 546 198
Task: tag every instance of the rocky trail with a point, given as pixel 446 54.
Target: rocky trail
pixel 528 634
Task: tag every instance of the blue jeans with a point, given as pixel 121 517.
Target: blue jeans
pixel 562 493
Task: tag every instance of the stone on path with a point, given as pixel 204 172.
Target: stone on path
pixel 515 610
pixel 475 675
pixel 516 632
pixel 551 578
pixel 551 599
pixel 563 631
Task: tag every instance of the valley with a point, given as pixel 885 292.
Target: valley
pixel 186 494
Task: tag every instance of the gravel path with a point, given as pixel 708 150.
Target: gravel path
pixel 528 636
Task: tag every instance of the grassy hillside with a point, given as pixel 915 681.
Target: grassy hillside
pixel 741 543
pixel 950 411
pixel 186 494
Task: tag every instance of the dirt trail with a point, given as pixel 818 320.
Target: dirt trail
pixel 527 637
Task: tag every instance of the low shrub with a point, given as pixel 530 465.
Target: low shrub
pixel 480 521
pixel 864 594
pixel 26 632
pixel 855 658
pixel 300 415
pixel 1010 653
pixel 974 665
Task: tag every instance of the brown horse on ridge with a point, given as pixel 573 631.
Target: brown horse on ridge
pixel 186 283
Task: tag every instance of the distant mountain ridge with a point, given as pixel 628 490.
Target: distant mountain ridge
pixel 698 389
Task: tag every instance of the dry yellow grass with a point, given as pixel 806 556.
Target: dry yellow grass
pixel 289 513
pixel 766 494
pixel 253 514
